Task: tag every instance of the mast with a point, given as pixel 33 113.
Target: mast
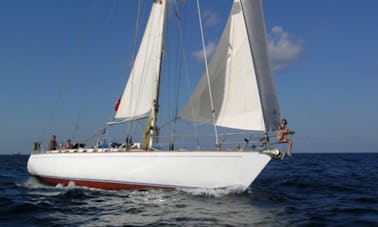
pixel 153 129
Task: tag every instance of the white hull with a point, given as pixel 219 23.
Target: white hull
pixel 141 169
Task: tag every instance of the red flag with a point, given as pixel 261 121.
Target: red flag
pixel 117 104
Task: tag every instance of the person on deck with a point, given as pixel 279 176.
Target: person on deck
pixel 68 144
pixel 52 143
pixel 283 131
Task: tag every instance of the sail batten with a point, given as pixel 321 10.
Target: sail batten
pixel 237 75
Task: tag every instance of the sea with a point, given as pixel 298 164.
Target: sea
pixel 302 190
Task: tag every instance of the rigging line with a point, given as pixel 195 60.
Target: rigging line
pixel 96 134
pixel 58 99
pixel 178 62
pixel 111 11
pixel 189 87
pixel 77 126
pixel 138 23
pixel 52 110
pixel 208 77
pixel 167 72
pixel 181 58
pixel 141 7
pixel 108 20
pixel 130 130
pixel 83 100
pixel 136 29
pixel 135 48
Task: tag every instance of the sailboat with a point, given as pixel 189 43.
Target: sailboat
pixel 236 91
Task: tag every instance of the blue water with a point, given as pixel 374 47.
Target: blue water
pixel 307 189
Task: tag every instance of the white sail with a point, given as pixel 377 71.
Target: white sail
pixel 137 99
pixel 243 91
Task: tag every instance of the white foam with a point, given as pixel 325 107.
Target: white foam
pixel 216 192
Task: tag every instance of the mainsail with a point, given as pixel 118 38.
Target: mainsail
pixel 139 95
pixel 242 85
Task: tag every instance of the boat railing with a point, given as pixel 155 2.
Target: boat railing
pixel 230 141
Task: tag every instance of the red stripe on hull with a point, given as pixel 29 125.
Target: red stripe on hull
pixel 97 184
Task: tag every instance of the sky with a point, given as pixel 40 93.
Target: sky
pixel 63 64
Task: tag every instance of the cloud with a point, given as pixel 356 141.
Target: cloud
pixel 283 48
pixel 210 48
pixel 210 18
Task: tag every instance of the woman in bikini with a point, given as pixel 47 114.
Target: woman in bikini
pixel 283 131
